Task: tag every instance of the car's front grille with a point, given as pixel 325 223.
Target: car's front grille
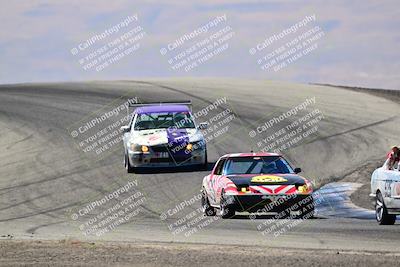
pixel 160 148
pixel 169 149
pixel 169 160
pixel 160 160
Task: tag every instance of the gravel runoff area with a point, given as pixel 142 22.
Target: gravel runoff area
pixel 77 253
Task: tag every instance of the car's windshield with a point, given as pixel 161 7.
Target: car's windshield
pixel 257 165
pixel 164 120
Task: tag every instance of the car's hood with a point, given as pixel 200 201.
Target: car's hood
pixel 266 179
pixel 164 136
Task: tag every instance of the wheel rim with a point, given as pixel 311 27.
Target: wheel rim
pixel 222 211
pixel 379 209
pixel 223 204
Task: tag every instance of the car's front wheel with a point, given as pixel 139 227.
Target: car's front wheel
pixel 207 209
pixel 128 166
pixel 204 166
pixel 381 212
pixel 226 210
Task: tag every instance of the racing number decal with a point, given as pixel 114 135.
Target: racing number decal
pixel 268 179
pixel 396 190
pixel 392 189
pixel 388 188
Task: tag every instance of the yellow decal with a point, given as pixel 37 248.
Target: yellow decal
pixel 302 189
pixel 268 179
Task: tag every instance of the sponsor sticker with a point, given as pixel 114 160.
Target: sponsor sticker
pixel 268 179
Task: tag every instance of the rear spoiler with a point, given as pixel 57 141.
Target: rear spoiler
pixel 144 104
pixel 185 102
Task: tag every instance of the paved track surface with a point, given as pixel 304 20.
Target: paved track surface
pixel 45 177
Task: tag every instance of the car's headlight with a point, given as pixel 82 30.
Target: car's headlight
pixel 306 188
pixel 189 147
pixel 134 147
pixel 302 189
pixel 138 148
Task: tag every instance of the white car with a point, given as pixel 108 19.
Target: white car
pixel 163 135
pixel 385 190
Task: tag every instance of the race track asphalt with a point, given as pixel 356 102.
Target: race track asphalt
pixel 46 177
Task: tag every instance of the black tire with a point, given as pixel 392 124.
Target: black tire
pixel 204 166
pixel 381 213
pixel 128 167
pixel 207 209
pixel 226 210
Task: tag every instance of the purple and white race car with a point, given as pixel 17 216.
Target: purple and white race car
pixel 163 135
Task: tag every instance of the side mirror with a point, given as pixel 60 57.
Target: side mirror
pixel 297 170
pixel 203 125
pixel 125 129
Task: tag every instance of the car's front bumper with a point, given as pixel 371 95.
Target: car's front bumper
pixel 157 159
pixel 269 203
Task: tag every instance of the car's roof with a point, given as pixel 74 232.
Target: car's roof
pixel 161 108
pixel 258 154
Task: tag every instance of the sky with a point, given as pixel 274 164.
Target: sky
pixel 359 44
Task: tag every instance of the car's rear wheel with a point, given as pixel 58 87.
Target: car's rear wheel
pixel 128 166
pixel 226 210
pixel 381 212
pixel 207 209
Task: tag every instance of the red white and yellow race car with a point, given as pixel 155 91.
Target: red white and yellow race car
pixel 256 182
